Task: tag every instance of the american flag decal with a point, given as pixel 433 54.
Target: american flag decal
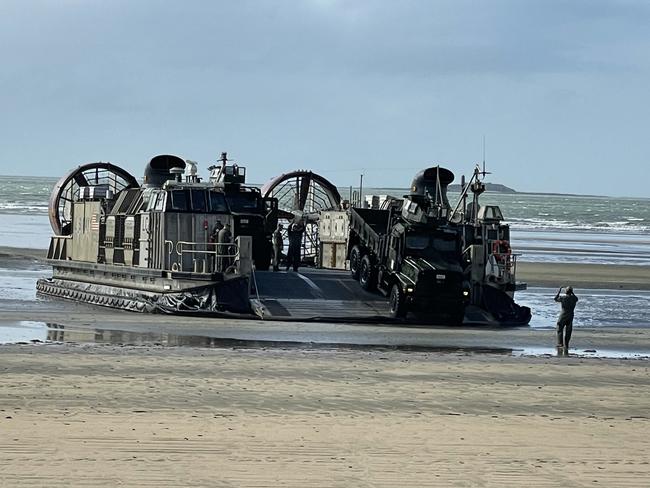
pixel 94 222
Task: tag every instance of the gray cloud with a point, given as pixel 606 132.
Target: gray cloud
pixel 285 83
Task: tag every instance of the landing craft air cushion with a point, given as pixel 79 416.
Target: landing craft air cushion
pixel 154 248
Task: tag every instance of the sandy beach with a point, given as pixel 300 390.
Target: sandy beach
pixel 458 407
pixel 124 416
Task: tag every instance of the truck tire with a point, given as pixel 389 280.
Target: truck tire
pixel 367 274
pixel 396 302
pixel 355 262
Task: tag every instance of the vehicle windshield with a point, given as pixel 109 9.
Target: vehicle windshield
pixel 243 202
pixel 431 246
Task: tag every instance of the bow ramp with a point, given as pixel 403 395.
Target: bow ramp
pixel 317 293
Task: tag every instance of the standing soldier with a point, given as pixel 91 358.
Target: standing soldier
pixel 224 237
pixel 278 247
pixel 565 319
pixel 295 242
pixel 214 237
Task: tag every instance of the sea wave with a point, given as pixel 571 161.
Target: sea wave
pixel 23 208
pixel 624 226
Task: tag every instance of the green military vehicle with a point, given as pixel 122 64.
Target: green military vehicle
pixel 410 252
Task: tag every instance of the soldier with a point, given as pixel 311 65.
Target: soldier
pixel 224 237
pixel 214 236
pixel 278 247
pixel 295 241
pixel 565 319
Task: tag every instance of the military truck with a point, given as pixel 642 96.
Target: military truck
pixel 411 253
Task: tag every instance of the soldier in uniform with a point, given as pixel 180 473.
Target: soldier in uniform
pixel 278 247
pixel 565 319
pixel 214 236
pixel 295 232
pixel 224 237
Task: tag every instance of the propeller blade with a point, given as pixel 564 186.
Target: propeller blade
pixel 305 182
pixel 80 179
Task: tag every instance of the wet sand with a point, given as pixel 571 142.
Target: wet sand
pixel 608 276
pixel 107 416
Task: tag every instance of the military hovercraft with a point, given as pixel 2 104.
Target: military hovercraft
pixel 156 246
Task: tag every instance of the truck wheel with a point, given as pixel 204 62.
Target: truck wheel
pixel 397 306
pixel 355 262
pixel 367 278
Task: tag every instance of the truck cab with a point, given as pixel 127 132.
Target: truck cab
pixel 424 274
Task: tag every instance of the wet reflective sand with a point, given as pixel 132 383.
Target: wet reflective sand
pixel 33 332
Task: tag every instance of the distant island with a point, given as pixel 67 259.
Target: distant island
pixel 497 187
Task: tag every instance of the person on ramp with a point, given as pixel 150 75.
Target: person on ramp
pixel 295 232
pixel 565 319
pixel 278 247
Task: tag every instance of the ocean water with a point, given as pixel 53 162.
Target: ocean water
pixel 544 228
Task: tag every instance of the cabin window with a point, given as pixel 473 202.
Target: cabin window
pixel 243 202
pixel 217 202
pixel 160 201
pixel 178 201
pixel 198 201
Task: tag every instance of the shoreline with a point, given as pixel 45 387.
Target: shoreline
pixel 553 275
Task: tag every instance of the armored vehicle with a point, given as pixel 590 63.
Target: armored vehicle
pixel 412 253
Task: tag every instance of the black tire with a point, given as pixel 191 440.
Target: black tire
pixel 396 302
pixel 367 274
pixel 355 262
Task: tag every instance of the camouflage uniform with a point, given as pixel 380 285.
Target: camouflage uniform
pixel 565 319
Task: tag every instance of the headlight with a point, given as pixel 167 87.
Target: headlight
pixel 465 293
pixel 409 289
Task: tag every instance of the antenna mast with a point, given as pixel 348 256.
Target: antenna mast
pixel 484 156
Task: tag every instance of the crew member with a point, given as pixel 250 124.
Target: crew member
pixel 295 232
pixel 224 237
pixel 278 247
pixel 214 237
pixel 565 319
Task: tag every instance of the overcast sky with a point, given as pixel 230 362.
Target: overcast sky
pixel 559 89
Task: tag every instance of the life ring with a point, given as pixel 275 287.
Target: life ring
pixel 501 247
pixel 501 251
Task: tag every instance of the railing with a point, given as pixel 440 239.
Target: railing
pixel 216 256
pixel 505 264
pixel 58 247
